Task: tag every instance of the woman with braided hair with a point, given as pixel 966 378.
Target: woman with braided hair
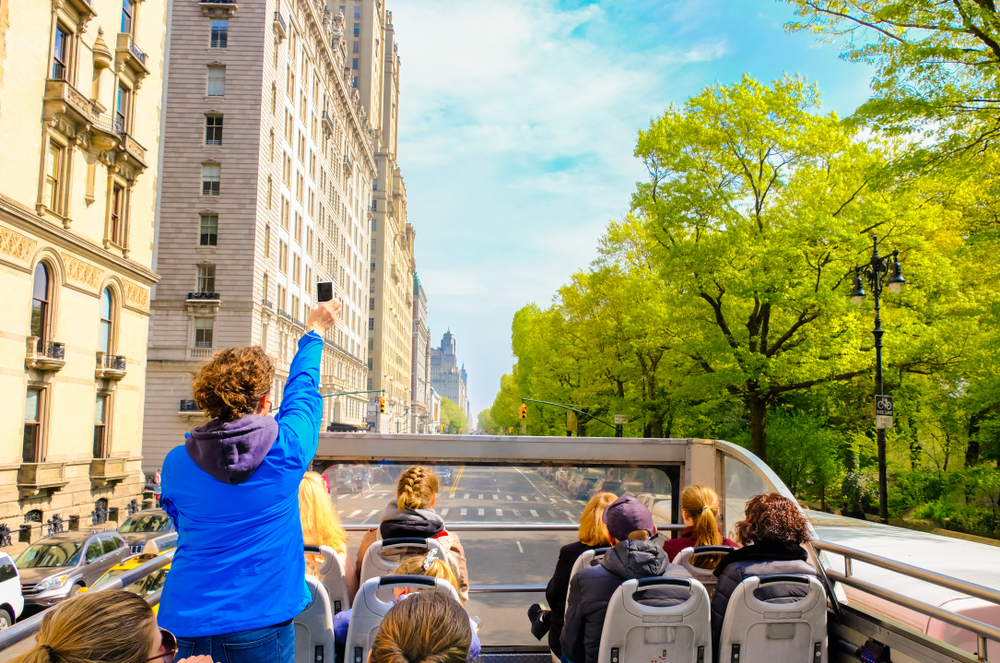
pixel 700 511
pixel 412 514
pixel 113 626
pixel 428 627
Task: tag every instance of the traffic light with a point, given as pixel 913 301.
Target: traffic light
pixel 381 405
pixel 524 411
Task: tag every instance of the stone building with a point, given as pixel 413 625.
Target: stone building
pixel 447 378
pixel 80 100
pixel 267 170
pixel 420 382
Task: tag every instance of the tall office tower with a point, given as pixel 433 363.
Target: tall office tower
pixel 447 379
pixel 266 173
pixel 391 270
pixel 420 382
pixel 80 87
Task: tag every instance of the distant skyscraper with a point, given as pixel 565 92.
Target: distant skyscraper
pixel 446 377
pixel 420 380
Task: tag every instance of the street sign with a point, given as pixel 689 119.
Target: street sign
pixel 571 421
pixel 620 419
pixel 883 412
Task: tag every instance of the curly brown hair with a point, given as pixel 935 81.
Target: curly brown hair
pixel 772 517
pixel 233 382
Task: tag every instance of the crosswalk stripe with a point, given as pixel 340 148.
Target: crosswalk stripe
pixel 571 516
pixel 355 513
pixel 534 513
pixel 523 498
pixel 466 496
pixel 539 498
pixel 552 514
pixel 480 496
pixel 499 512
pixel 482 512
pixel 463 512
pixel 567 501
pixel 510 499
pixel 496 497
pixel 517 514
pixel 451 495
pixel 444 511
pixel 554 501
pixel 341 511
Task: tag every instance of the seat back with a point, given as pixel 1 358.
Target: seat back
pixel 637 633
pixel 374 565
pixel 314 638
pixel 765 631
pixel 588 559
pixel 369 609
pixel 333 577
pixel 705 576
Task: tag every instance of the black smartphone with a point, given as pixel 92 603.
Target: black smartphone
pixel 324 291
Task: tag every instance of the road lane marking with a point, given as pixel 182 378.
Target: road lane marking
pixel 482 512
pixel 463 512
pixel 534 513
pixel 520 549
pixel 466 496
pixel 553 500
pixel 567 501
pixel 517 514
pixel 539 498
pixel 480 496
pixel 552 514
pixel 444 512
pixel 458 477
pixel 499 512
pixel 571 516
pixel 523 498
pixel 452 494
pixel 496 497
pixel 510 499
pixel 355 513
pixel 370 515
pixel 341 511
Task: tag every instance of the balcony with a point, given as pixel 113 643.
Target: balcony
pixel 279 26
pixel 107 471
pixel 210 296
pixel 131 56
pixel 40 479
pixel 218 8
pixel 266 303
pixel 45 355
pixel 298 323
pixel 189 409
pixel 200 353
pixel 284 314
pixel 134 149
pixel 61 98
pixel 110 367
pixel 348 165
pixel 327 122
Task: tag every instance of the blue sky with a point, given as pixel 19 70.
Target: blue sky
pixel 517 124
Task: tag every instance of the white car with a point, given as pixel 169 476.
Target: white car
pixel 11 601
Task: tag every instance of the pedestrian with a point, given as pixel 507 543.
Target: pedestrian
pixel 238 577
pixel 700 511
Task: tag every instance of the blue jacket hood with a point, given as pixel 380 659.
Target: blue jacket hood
pixel 232 451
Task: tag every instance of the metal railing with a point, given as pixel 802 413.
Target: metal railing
pixel 280 20
pixel 136 51
pixel 188 405
pixel 114 362
pixel 50 349
pixel 267 303
pixel 981 630
pixel 203 295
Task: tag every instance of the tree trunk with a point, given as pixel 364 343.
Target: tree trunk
pixel 757 407
pixel 656 426
pixel 973 450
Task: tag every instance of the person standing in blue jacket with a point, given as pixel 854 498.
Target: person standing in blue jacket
pixel 238 577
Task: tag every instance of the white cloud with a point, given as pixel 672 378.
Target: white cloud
pixel 706 52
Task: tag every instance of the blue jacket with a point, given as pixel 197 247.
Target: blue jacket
pixel 239 562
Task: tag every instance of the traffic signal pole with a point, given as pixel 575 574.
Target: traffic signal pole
pixel 619 432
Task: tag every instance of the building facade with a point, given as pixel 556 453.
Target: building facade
pixel 80 100
pixel 447 378
pixel 268 163
pixel 420 382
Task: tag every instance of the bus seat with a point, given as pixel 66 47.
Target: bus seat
pixel 375 564
pixel 705 576
pixel 314 639
pixel 636 633
pixel 757 631
pixel 333 577
pixel 369 609
pixel 588 559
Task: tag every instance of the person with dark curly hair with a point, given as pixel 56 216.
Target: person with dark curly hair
pixel 232 490
pixel 771 533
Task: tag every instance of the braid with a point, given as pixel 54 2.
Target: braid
pixel 417 487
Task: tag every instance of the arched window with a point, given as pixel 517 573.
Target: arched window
pixel 105 340
pixel 40 300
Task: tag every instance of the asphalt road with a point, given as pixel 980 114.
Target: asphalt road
pixel 492 495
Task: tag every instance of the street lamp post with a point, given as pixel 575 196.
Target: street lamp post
pixel 873 273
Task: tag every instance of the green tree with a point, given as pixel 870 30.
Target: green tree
pixel 485 420
pixel 452 417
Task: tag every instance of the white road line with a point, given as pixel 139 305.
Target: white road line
pixel 534 513
pixel 510 499
pixel 341 511
pixel 496 497
pixel 355 513
pixel 554 501
pixel 370 515
pixel 517 514
pixel 519 548
pixel 463 512
pixel 499 512
pixel 480 496
pixel 444 511
pixel 466 496
pixel 539 498
pixel 482 512
pixel 451 495
pixel 523 498
pixel 567 501
pixel 552 514
pixel 571 516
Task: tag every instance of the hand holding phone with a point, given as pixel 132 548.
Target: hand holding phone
pixel 324 291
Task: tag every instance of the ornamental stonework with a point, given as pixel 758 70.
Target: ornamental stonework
pixel 16 245
pixel 135 295
pixel 82 272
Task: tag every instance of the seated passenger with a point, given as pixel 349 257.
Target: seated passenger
pixel 635 555
pixel 771 533
pixel 428 565
pixel 321 527
pixel 429 627
pixel 112 626
pixel 593 534
pixel 412 514
pixel 700 511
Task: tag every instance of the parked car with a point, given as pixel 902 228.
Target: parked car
pixel 11 601
pixel 444 474
pixel 60 565
pixel 341 481
pixel 143 526
pixel 143 587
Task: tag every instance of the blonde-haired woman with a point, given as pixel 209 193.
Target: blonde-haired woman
pixel 412 514
pixel 700 511
pixel 593 534
pixel 430 626
pixel 321 527
pixel 113 626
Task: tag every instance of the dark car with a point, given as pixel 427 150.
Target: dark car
pixel 341 481
pixel 56 567
pixel 144 526
pixel 587 487
pixel 612 486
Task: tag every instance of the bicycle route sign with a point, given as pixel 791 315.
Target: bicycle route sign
pixel 883 412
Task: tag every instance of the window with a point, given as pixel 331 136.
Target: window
pixel 371 304
pixel 286 171
pixel 104 342
pixel 296 266
pixel 282 296
pixel 216 80
pixel 100 415
pixel 210 174
pixel 270 189
pixel 371 323
pixel 299 182
pixel 94 549
pixel 110 544
pixel 270 147
pixel 285 207
pixel 60 54
pixel 123 108
pixel 274 98
pixel 267 240
pixel 40 300
pixel 295 306
pixel 298 227
pixel 213 130
pixel 354 82
pixel 354 63
pixel 309 241
pixel 357 29
pixel 220 33
pixel 357 46
pixel 282 256
pixel 209 234
pixel 264 285
pixel 53 176
pixel 309 279
pixel 117 217
pixel 206 278
pixel 357 11
pixel 204 330
pixel 289 124
pixel 32 427
pixel 128 16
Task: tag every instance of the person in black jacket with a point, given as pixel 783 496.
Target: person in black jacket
pixel 593 534
pixel 771 534
pixel 635 555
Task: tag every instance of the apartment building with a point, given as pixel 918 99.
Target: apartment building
pixel 267 170
pixel 80 100
pixel 420 380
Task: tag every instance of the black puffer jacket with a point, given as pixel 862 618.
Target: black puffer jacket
pixel 591 590
pixel 555 592
pixel 759 559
